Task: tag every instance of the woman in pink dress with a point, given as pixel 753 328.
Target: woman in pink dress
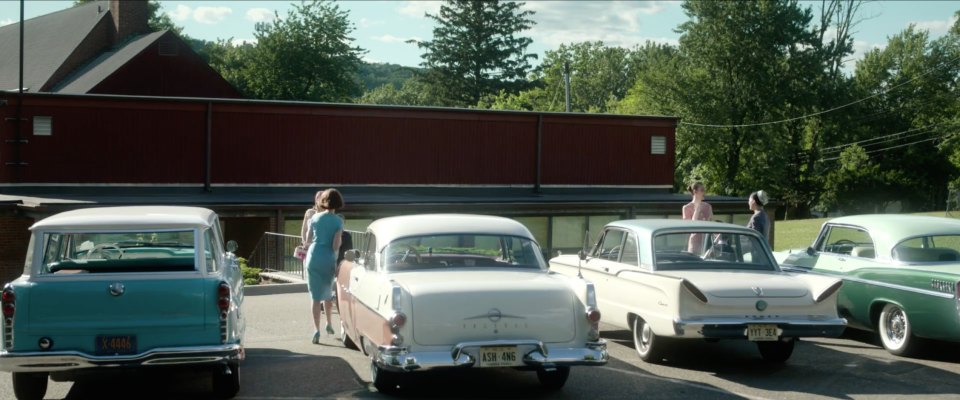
pixel 697 210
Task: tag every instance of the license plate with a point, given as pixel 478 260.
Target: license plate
pixel 115 344
pixel 762 332
pixel 499 356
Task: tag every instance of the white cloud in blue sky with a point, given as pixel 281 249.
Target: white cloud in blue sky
pixel 259 14
pixel 937 27
pixel 418 9
pixel 394 39
pixel 6 21
pixel 204 14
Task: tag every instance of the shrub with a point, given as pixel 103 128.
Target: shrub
pixel 251 275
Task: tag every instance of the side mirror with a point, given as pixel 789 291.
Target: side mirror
pixel 232 246
pixel 582 254
pixel 811 252
pixel 351 255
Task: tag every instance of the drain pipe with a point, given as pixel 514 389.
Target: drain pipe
pixel 209 150
pixel 536 185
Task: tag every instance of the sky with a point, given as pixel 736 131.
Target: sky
pixel 382 27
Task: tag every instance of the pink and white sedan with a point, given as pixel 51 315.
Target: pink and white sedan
pixel 463 291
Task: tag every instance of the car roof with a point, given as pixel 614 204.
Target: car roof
pixel 649 226
pixel 131 217
pixel 889 229
pixel 391 228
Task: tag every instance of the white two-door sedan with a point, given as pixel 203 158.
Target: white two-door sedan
pixel 667 280
pixel 461 291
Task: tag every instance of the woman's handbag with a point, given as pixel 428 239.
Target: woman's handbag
pixel 300 253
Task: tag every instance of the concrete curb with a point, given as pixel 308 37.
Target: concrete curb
pixel 279 288
pixel 290 284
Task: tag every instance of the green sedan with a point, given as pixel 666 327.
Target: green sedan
pixel 901 275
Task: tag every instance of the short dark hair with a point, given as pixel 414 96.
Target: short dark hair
pixel 331 199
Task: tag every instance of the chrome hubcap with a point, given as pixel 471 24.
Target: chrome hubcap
pixel 896 327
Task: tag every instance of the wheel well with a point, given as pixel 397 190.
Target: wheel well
pixel 875 309
pixel 630 318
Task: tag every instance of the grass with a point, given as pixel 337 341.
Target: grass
pixel 799 234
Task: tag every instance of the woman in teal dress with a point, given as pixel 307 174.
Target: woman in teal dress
pixel 323 239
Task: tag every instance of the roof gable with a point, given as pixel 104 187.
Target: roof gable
pixel 96 71
pixel 49 40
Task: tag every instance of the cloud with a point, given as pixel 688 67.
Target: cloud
pixel 366 22
pixel 616 23
pixel 211 15
pixel 7 21
pixel 181 13
pixel 238 42
pixel 417 9
pixel 393 39
pixel 936 27
pixel 260 14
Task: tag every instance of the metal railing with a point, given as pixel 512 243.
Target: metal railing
pixel 274 252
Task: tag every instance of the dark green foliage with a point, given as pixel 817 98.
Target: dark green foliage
pixel 306 55
pixel 476 51
pixel 374 75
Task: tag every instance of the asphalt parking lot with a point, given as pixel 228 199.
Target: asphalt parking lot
pixel 282 364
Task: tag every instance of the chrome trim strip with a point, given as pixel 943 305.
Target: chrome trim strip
pixel 845 278
pixel 70 360
pixel 535 353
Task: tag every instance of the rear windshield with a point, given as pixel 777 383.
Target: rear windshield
pixel 711 251
pixel 462 251
pixel 117 252
pixel 933 249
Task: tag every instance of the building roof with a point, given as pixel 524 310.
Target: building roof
pixel 357 197
pixel 49 40
pixel 96 71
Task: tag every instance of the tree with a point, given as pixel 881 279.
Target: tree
pixel 476 51
pixel 910 88
pixel 411 93
pixel 306 56
pixel 740 66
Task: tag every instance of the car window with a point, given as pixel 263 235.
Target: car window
pixel 610 245
pixel 631 255
pixel 369 255
pixel 938 248
pixel 462 251
pixel 210 250
pixel 118 252
pixel 847 240
pixel 723 250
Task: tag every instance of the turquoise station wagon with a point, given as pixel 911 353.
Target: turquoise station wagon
pixel 901 275
pixel 124 287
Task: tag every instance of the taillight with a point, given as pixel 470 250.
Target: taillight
pixel 829 292
pixel 8 301
pixel 593 315
pixel 223 298
pixel 694 290
pixel 397 321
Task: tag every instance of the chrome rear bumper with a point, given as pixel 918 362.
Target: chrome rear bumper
pixel 534 353
pixel 51 361
pixel 737 329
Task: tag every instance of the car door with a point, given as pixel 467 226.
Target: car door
pixel 848 252
pixel 602 265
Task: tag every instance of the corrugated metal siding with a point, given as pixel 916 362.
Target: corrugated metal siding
pixel 108 144
pixel 109 140
pixel 588 154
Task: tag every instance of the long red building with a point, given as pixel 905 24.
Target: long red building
pixel 258 163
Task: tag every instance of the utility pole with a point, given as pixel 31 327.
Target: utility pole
pixel 566 83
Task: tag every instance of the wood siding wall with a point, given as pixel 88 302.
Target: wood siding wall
pixel 98 139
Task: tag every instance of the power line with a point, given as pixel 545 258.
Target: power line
pixel 891 147
pixel 825 111
pixel 877 140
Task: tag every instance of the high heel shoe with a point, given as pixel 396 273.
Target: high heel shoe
pixel 316 338
pixel 329 329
